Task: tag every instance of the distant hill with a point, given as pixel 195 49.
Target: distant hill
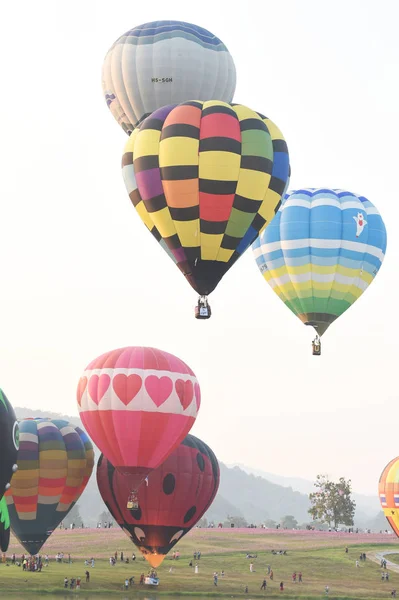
pixel 244 492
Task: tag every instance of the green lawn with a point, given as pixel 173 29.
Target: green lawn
pixel 321 558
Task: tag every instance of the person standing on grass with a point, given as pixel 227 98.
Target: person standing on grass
pixel 264 584
pixel 357 563
pixel 300 577
pixel 126 583
pixel 78 580
pixel 282 586
pixel 271 574
pixel 215 579
pixel 251 567
pixel 87 576
pixel 196 569
pixel 326 589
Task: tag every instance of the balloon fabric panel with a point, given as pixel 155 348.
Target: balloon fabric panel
pixel 164 62
pixel 9 444
pixel 321 252
pixel 52 466
pixel 178 493
pixel 137 405
pixel 388 490
pixel 206 177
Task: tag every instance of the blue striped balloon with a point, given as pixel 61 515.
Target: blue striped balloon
pixel 321 251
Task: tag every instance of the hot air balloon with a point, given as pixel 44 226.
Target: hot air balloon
pixel 178 493
pixel 137 405
pixel 320 253
pixel 388 490
pixel 161 63
pixel 9 443
pixel 55 460
pixel 205 178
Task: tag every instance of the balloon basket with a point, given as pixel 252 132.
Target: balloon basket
pixel 203 309
pixel 132 501
pixel 316 346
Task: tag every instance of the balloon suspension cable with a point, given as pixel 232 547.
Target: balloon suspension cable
pixel 203 309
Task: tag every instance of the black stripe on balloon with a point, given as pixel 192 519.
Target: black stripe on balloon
pixel 152 124
pixel 173 242
pixel 246 205
pixel 155 204
pixel 213 227
pixel 277 185
pixel 127 159
pixel 260 114
pixel 189 213
pixel 192 253
pixel 278 206
pixel 135 197
pixel 257 163
pixel 248 124
pixel 280 146
pixel 212 186
pixel 229 242
pixel 144 163
pixel 180 172
pixel 180 130
pixel 258 223
pixel 192 103
pixel 156 234
pixel 220 144
pixel 219 109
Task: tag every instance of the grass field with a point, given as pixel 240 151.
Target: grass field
pixel 319 555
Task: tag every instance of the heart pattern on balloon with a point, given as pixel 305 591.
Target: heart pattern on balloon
pixel 197 392
pixel 81 389
pixel 98 385
pixel 158 388
pixel 185 391
pixel 126 387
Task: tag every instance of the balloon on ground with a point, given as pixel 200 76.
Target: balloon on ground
pixel 164 62
pixel 388 490
pixel 205 178
pixel 321 252
pixel 9 443
pixel 55 461
pixel 175 498
pixel 137 405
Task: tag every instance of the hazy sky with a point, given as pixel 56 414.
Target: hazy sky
pixel 81 275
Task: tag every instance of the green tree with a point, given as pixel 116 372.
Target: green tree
pixel 73 517
pixel 270 524
pixel 289 522
pixel 332 502
pixel 237 521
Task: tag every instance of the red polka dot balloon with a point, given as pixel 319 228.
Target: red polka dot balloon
pixel 174 499
pixel 137 404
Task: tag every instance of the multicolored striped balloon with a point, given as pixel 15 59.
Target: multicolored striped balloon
pixel 205 178
pixel 164 62
pixel 321 252
pixel 55 461
pixel 388 491
pixel 137 405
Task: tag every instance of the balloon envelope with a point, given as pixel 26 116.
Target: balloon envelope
pixel 161 63
pixel 321 252
pixel 205 178
pixel 137 405
pixel 388 490
pixel 54 461
pixel 9 443
pixel 178 493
